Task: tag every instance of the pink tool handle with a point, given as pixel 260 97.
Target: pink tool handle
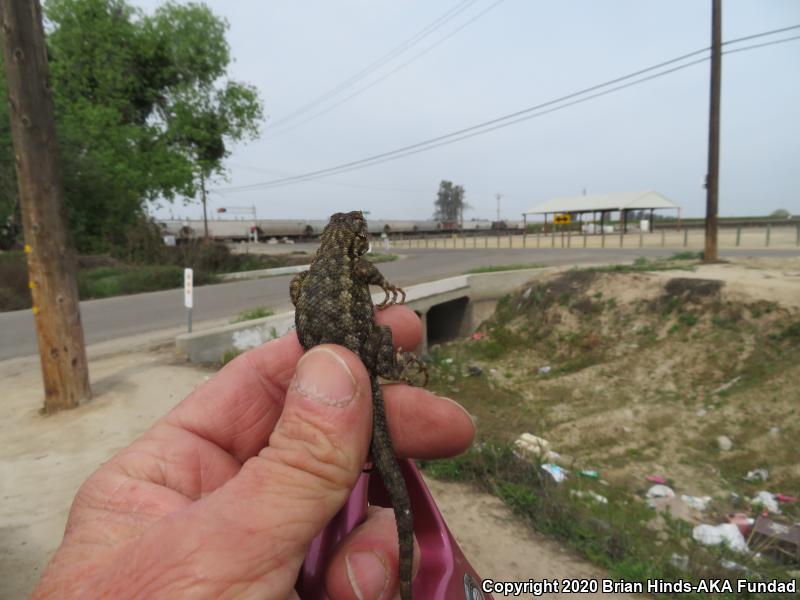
pixel 444 572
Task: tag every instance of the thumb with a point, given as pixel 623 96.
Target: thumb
pixel 272 509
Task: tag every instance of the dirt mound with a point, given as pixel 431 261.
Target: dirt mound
pixel 637 373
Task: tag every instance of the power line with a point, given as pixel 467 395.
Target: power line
pixel 336 183
pixel 360 91
pixel 396 51
pixel 516 117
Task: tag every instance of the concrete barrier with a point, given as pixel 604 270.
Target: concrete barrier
pixel 264 272
pixel 209 345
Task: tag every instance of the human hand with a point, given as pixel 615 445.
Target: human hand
pixel 201 506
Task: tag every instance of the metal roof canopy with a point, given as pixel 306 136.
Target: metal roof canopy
pixel 604 202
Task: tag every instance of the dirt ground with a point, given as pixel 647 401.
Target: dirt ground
pixel 45 459
pixel 645 371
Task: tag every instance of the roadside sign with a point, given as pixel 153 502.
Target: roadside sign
pixel 187 288
pixel 562 219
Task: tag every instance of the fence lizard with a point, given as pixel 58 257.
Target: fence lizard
pixel 333 305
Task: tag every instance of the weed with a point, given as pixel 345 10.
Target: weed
pixel 380 257
pixel 496 268
pixel 259 312
pixel 104 282
pixel 228 356
pixel 618 534
pixel 687 255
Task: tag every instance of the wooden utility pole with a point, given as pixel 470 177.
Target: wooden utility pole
pixel 712 177
pixel 52 265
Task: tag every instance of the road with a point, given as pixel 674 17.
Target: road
pixel 123 316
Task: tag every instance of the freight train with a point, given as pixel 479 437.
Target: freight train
pixel 239 230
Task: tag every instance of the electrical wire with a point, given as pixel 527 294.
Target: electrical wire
pixel 516 117
pixel 396 51
pixel 288 128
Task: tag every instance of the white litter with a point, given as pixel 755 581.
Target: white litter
pixel 713 535
pixel 557 473
pixel 660 491
pixel 590 494
pixel 757 475
pixel 768 501
pixel 699 503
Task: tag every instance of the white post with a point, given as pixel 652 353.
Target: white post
pixel 188 297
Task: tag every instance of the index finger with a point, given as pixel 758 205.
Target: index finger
pixel 237 409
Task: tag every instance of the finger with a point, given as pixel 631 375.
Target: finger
pixel 404 323
pixel 424 425
pixel 238 408
pixel 257 527
pixel 365 563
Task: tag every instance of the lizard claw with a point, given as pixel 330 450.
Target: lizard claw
pixel 405 360
pixel 392 293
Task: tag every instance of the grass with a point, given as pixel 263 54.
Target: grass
pixel 380 257
pixel 619 535
pixel 497 268
pixel 259 312
pixel 228 356
pixel 104 282
pixel 645 264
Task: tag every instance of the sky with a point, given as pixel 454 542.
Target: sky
pixel 513 54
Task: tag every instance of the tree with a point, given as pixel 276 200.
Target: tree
pixel 780 213
pixel 450 204
pixel 143 109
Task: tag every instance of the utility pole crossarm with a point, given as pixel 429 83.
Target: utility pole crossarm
pixel 52 266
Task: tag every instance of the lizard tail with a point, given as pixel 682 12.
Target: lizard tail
pixel 384 459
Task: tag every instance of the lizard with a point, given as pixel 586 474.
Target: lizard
pixel 333 305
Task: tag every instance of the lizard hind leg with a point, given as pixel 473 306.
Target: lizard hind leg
pixel 397 366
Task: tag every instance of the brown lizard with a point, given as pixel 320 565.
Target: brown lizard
pixel 333 305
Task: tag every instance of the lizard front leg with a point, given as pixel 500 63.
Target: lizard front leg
pixel 369 274
pixel 295 285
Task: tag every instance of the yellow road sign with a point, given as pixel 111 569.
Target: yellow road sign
pixel 562 219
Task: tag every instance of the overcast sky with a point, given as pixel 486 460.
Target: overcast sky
pixel 518 54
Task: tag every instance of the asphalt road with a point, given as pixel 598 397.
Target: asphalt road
pixel 123 316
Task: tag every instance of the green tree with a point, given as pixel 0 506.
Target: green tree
pixel 143 109
pixel 450 204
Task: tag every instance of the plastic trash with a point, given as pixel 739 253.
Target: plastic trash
pixel 660 491
pixel 656 479
pixel 589 474
pixel 545 370
pixel 478 335
pixel 743 521
pixel 474 370
pixel 589 494
pixel 757 475
pixel 533 444
pixel 786 499
pixel 557 473
pixel 713 535
pixel 724 443
pixel 698 503
pixel 680 560
pixel 767 500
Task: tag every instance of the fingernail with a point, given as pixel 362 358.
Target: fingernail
pixel 472 418
pixel 324 377
pixel 367 575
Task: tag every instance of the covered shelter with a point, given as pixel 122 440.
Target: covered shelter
pixel 622 202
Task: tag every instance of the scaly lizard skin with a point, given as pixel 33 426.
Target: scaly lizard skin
pixel 333 305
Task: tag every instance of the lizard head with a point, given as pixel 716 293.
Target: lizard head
pixel 351 229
